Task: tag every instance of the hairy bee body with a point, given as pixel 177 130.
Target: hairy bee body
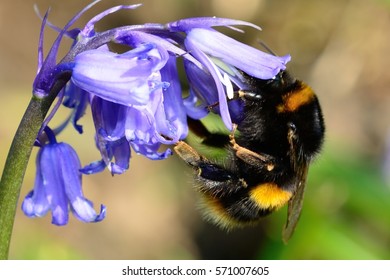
pixel 280 132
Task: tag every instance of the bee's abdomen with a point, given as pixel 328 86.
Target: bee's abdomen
pixel 245 207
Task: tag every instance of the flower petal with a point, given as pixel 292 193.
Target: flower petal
pixel 109 118
pixel 151 151
pixel 88 30
pixel 120 151
pixel 72 184
pixel 121 78
pixel 201 83
pixel 54 182
pixel 76 99
pixel 175 112
pixel 83 209
pixel 205 22
pixel 36 204
pixel 212 68
pixel 192 109
pixel 246 58
pixel 138 125
pixel 93 167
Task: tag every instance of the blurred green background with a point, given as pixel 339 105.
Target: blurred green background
pixel 339 47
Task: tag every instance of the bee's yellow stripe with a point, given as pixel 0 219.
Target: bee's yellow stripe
pixel 295 99
pixel 216 213
pixel 269 196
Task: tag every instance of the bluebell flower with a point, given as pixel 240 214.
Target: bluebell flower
pixel 136 97
pixel 57 186
pixel 109 119
pixel 224 59
pixel 126 78
pixel 130 105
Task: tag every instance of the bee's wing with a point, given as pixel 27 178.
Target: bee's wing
pixel 295 205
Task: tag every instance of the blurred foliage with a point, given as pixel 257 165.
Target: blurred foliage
pixel 40 246
pixel 346 213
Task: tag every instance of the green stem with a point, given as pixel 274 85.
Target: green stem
pixel 16 163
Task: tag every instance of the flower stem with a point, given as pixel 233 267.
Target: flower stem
pixel 17 160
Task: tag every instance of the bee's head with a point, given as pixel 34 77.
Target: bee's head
pixel 282 82
pixel 269 91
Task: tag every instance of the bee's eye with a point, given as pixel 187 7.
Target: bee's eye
pixel 292 127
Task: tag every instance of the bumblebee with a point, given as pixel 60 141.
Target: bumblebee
pixel 268 154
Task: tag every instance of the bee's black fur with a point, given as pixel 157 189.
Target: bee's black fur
pixel 280 132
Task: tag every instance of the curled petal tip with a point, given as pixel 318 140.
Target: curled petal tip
pixel 206 22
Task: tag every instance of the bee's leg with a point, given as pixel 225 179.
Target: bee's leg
pixel 208 138
pixel 214 178
pixel 188 154
pixel 250 157
pixel 239 94
pixel 205 168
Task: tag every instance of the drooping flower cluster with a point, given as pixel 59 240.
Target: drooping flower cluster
pixel 136 97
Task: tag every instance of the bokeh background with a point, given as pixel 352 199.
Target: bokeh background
pixel 340 47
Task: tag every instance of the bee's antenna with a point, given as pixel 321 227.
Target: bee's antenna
pixel 264 45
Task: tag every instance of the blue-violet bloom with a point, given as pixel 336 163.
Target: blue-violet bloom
pixel 57 186
pixel 136 97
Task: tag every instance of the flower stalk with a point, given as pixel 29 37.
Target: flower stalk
pixel 17 160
